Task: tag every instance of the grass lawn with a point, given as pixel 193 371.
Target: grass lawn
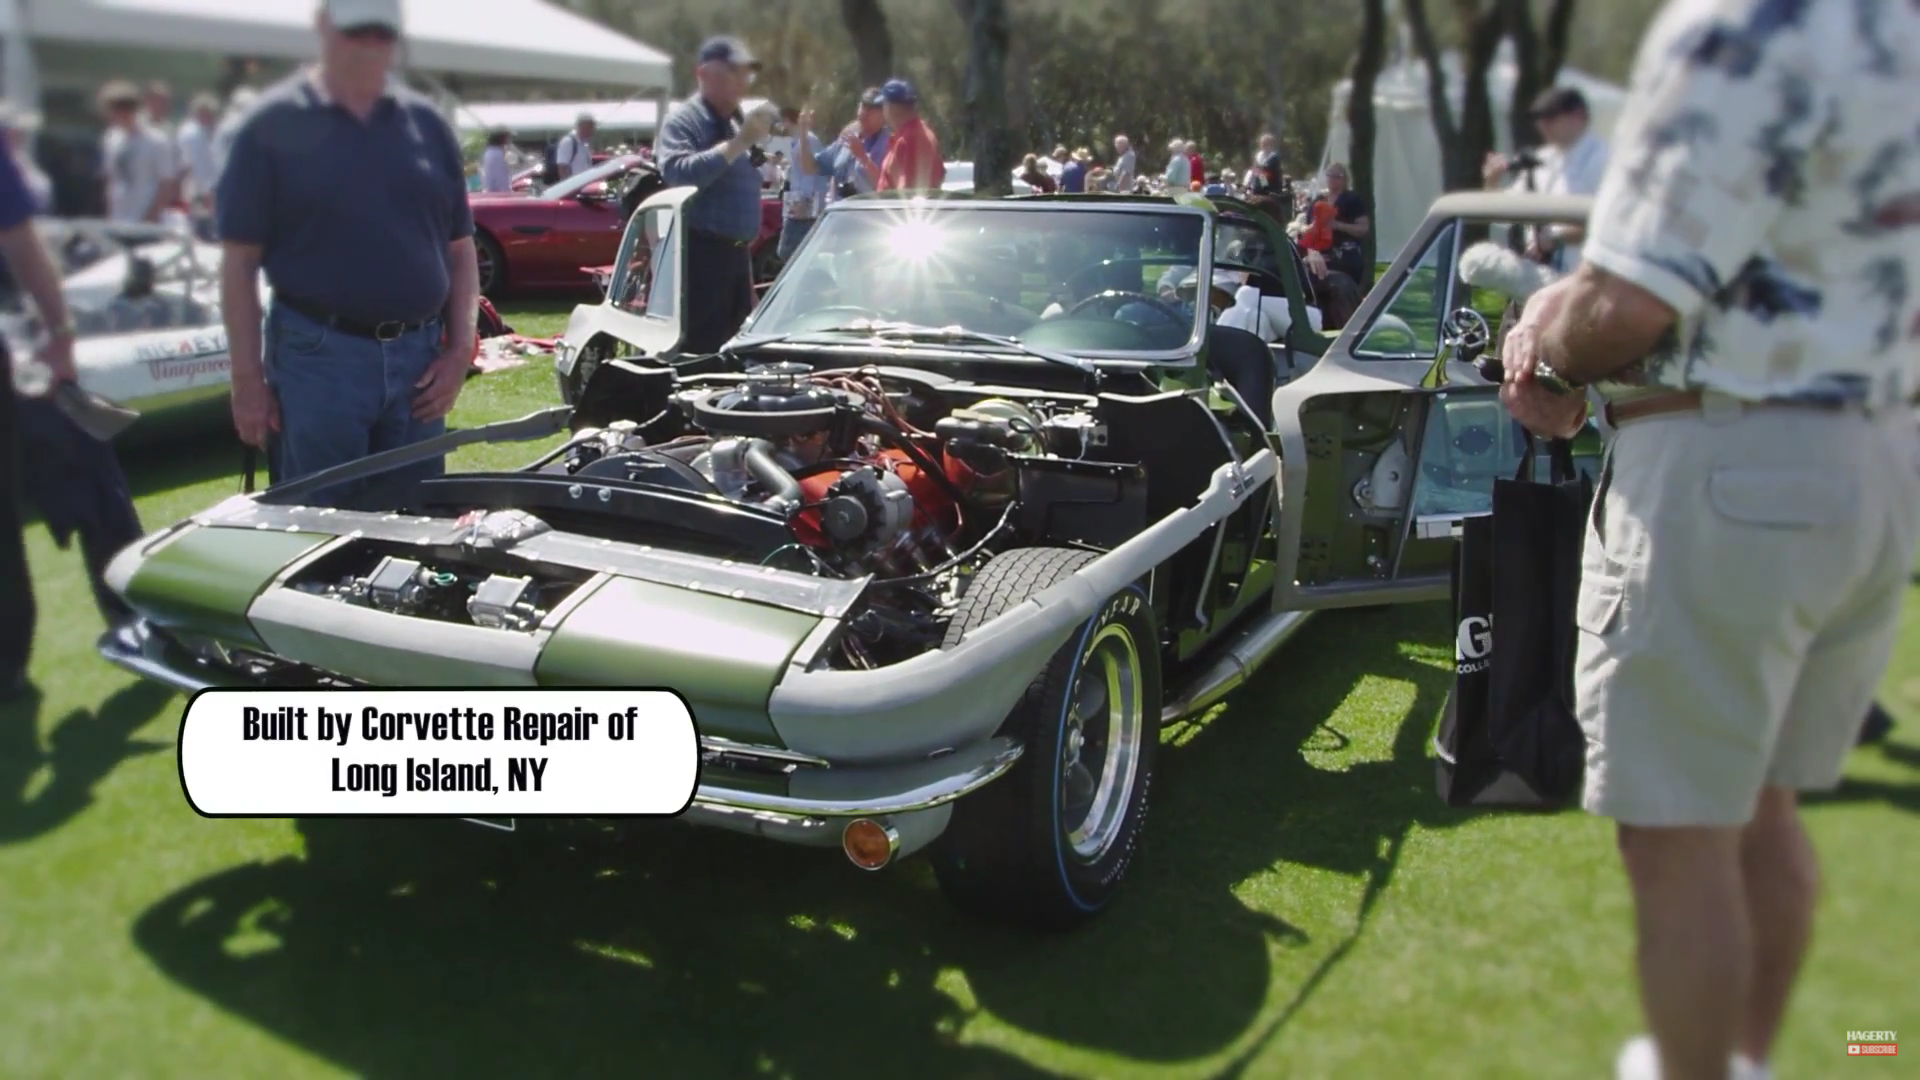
pixel 1305 906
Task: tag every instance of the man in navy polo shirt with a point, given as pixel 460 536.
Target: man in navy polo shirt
pixel 350 190
pixel 706 143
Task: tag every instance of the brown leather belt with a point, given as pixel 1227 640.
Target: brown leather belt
pixel 1686 401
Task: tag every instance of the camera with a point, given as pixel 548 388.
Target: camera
pixel 1523 161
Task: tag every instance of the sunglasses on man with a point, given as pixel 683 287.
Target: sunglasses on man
pixel 372 32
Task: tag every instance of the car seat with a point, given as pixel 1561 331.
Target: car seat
pixel 1243 361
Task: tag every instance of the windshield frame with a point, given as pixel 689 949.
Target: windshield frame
pixel 575 184
pixel 1186 355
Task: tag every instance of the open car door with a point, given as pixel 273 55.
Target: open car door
pixel 1251 243
pixel 1394 438
pixel 640 316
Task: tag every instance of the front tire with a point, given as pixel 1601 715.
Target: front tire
pixel 493 265
pixel 1047 845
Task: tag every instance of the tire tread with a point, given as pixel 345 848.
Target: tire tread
pixel 987 862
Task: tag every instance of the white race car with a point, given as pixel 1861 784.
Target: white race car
pixel 145 300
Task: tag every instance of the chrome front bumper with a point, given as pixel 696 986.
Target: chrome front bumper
pixel 821 796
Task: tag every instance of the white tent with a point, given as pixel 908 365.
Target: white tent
pixel 1406 152
pixel 510 39
pixel 530 120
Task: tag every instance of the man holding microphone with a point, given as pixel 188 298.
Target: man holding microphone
pixel 1756 518
pixel 706 142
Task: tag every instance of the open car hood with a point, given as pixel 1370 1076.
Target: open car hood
pixel 247 579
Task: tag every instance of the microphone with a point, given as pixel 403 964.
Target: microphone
pixel 1487 265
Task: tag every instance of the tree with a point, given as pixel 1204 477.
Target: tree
pixel 1537 62
pixel 989 37
pixel 872 40
pixel 1464 142
pixel 1367 62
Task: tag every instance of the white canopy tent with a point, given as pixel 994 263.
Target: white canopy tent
pixel 541 120
pixel 507 39
pixel 1406 152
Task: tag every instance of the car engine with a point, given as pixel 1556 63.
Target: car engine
pixel 874 474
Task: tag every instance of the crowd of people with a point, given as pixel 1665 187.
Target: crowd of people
pixel 157 165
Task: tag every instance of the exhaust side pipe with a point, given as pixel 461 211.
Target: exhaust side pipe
pixel 1241 658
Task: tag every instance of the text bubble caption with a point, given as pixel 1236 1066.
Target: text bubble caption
pixel 452 752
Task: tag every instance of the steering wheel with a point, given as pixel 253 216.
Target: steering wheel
pixel 1173 314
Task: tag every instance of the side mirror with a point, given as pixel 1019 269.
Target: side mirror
pixel 1466 332
pixel 1464 336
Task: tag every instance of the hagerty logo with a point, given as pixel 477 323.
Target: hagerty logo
pixel 187 348
pixel 1871 1044
pixel 1473 644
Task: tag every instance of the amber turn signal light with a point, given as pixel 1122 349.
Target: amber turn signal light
pixel 869 844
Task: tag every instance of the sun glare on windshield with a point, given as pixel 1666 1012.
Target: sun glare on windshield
pixel 915 239
pixel 1064 279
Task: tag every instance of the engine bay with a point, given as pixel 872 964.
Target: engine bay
pixel 873 474
pixel 897 475
pixel 897 481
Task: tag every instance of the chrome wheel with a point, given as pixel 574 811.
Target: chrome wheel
pixel 1100 748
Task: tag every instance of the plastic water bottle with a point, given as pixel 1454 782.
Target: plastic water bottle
pixel 31 378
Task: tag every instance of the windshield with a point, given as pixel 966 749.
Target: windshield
pixel 577 182
pixel 1081 281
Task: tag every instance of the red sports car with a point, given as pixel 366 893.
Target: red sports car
pixel 528 178
pixel 554 239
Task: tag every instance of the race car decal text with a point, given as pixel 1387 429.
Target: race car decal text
pixel 187 348
pixel 186 369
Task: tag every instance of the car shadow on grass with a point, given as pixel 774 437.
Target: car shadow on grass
pixel 44 787
pixel 399 947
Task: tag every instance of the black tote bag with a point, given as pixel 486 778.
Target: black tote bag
pixel 1538 531
pixel 1508 736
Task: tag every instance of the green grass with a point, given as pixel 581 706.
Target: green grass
pixel 1305 907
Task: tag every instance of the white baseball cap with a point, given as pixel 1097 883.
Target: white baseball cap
pixel 352 14
pixel 1225 280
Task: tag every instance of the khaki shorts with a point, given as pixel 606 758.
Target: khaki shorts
pixel 1741 590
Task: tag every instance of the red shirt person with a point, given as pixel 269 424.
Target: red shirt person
pixel 913 158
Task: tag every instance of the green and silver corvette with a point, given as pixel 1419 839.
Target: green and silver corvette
pixel 984 493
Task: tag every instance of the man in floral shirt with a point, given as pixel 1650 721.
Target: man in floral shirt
pixel 1749 311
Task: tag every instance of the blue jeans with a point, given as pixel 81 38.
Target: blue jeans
pixel 343 397
pixel 791 233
